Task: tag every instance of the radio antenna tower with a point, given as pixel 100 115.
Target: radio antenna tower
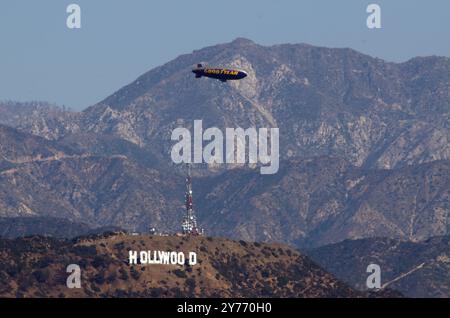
pixel 189 224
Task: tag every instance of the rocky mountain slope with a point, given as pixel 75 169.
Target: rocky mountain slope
pixel 309 202
pixel 98 191
pixel 335 102
pixel 415 269
pixel 326 101
pixel 36 267
pixel 318 201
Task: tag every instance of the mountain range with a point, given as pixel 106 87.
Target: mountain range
pixel 364 148
pixel 308 203
pixel 335 102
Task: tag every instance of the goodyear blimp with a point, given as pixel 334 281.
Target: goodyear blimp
pixel 220 73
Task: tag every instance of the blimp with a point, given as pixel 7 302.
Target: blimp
pixel 220 73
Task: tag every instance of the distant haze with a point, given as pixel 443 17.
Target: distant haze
pixel 41 59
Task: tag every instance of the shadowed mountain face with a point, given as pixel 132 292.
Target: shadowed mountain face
pixel 224 269
pixel 14 227
pixel 415 269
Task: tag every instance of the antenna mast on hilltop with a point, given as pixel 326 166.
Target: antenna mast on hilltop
pixel 189 224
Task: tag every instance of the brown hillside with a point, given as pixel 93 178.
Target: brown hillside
pixel 36 267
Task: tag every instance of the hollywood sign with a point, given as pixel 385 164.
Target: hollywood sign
pixel 162 258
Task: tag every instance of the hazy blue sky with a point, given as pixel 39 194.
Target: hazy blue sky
pixel 41 59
